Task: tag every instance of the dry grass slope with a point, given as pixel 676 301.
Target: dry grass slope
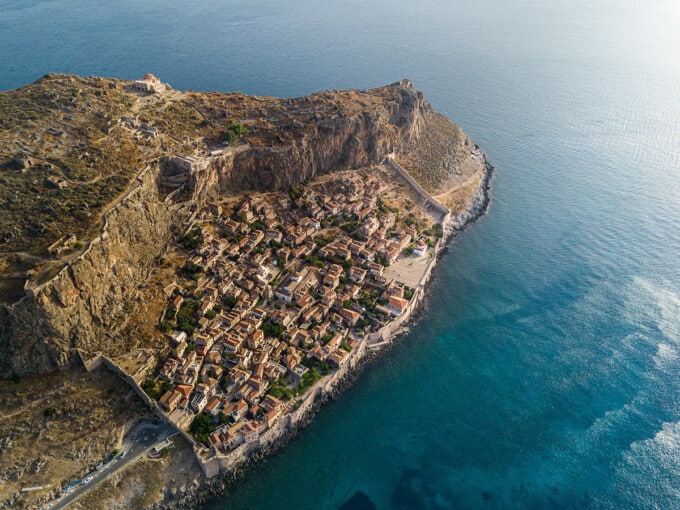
pixel 58 127
pixel 90 413
pixel 434 159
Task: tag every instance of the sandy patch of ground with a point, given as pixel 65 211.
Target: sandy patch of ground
pixel 408 270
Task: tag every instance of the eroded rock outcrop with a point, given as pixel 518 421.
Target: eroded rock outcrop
pixel 326 144
pixel 87 302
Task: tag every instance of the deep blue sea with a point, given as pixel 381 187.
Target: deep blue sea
pixel 546 370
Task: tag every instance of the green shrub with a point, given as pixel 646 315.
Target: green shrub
pixel 280 390
pixel 234 132
pixel 274 330
pixel 201 427
pixel 230 137
pixel 238 129
pixel 192 269
pixel 191 240
pixel 229 302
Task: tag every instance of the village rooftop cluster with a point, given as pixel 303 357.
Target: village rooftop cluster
pixel 276 293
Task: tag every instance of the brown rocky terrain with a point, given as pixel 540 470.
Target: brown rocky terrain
pixel 123 219
pixel 148 483
pixel 56 427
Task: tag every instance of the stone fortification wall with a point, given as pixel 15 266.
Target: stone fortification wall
pixel 207 466
pixel 87 303
pixel 88 300
pixel 426 198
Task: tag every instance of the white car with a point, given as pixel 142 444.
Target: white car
pixel 87 480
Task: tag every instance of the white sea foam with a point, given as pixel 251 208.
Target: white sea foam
pixel 667 304
pixel 649 474
pixel 608 422
pixel 663 306
pixel 666 356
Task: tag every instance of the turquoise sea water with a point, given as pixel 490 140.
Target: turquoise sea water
pixel 546 370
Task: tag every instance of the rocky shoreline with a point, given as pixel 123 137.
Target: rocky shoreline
pixel 215 487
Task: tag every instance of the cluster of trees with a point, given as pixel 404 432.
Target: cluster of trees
pixel 156 390
pixel 234 132
pixel 229 302
pixel 384 261
pixel 437 230
pixel 257 225
pixel 350 226
pixel 323 241
pixel 224 383
pixel 274 330
pixel 308 380
pixel 322 367
pixel 187 316
pixel 315 261
pixel 192 240
pixel 295 192
pixel 201 427
pixel 192 270
pixel 278 389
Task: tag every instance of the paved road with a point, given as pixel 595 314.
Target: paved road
pixel 136 444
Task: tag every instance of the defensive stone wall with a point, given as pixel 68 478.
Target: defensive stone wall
pixel 207 465
pixel 297 419
pixel 427 199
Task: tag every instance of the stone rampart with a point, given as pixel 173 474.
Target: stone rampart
pixel 207 465
pixel 427 199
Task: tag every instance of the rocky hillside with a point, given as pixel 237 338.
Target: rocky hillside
pixel 82 296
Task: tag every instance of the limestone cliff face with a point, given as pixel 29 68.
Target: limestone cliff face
pixel 87 303
pixel 328 144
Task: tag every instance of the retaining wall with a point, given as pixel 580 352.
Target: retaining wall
pixel 103 234
pixel 212 463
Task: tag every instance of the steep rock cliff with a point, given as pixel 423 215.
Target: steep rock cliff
pixel 353 140
pixel 87 302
